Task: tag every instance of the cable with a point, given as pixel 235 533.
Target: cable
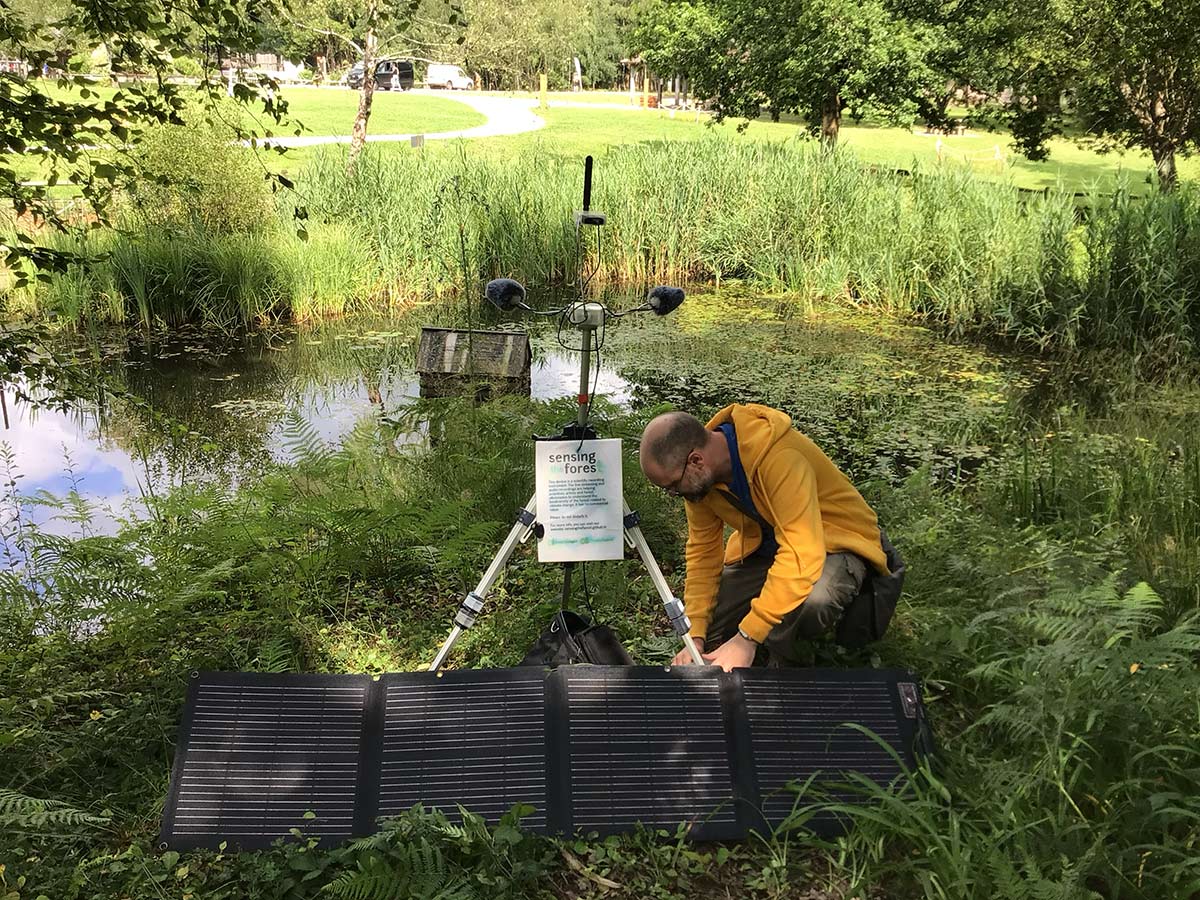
pixel 587 413
pixel 595 268
pixel 587 598
pixel 542 312
pixel 595 378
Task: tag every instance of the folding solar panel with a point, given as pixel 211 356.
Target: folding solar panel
pixel 589 748
pixel 816 727
pixel 264 754
pixel 648 746
pixel 476 738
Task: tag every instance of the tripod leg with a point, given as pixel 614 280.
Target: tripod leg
pixel 672 604
pixel 473 603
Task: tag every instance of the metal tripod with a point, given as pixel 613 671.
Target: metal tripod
pixel 587 317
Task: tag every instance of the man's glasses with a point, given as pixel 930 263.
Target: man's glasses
pixel 673 487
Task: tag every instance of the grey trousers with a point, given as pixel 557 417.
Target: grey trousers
pixel 841 581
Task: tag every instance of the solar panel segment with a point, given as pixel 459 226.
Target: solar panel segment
pixel 589 748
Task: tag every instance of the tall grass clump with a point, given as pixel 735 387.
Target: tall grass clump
pixel 174 278
pixel 971 254
pixel 198 240
pixel 83 292
pixel 333 272
pixel 1136 473
pixel 420 212
pixel 1143 278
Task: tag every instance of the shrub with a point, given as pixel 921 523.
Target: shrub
pixel 187 67
pixel 196 177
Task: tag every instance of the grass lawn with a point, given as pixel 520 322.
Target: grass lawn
pixel 577 132
pixel 612 97
pixel 331 111
pixel 328 111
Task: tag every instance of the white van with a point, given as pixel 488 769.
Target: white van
pixel 452 78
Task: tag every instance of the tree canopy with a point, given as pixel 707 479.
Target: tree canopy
pixel 797 56
pixel 511 42
pixel 1117 74
pixel 72 132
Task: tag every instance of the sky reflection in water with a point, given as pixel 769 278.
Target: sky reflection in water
pixel 239 405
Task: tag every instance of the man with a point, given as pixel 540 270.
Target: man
pixel 806 553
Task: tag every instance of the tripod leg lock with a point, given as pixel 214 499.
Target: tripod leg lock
pixel 471 605
pixel 679 620
pixel 525 517
pixel 632 520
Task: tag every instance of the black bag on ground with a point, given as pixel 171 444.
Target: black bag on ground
pixel 572 638
pixel 867 618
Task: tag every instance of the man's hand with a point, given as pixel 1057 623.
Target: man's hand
pixel 684 656
pixel 735 653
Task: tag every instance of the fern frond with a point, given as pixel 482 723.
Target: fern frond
pixel 302 441
pixel 416 871
pixel 19 812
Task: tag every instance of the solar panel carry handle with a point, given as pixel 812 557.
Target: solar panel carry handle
pixel 517 535
pixel 671 603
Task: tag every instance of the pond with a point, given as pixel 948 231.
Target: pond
pixel 880 397
pixel 238 400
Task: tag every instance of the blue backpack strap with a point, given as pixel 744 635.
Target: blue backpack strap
pixel 740 495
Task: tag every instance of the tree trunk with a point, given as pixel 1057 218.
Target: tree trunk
pixel 1164 161
pixel 358 134
pixel 831 120
pixel 677 80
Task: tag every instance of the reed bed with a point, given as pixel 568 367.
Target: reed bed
pixel 944 245
pixel 972 255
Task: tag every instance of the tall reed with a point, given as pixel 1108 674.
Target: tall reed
pixel 942 244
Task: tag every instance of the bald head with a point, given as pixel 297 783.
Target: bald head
pixel 669 438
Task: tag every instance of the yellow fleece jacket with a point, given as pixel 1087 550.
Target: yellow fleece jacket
pixel 798 491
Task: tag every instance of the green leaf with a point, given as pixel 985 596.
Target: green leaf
pixel 302 862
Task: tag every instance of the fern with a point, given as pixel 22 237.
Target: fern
pixel 415 871
pixel 303 442
pixel 274 655
pixel 23 813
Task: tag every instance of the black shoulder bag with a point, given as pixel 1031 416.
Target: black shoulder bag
pixel 572 638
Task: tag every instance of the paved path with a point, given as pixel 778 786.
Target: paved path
pixel 505 115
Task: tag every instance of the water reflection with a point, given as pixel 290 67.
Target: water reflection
pixel 222 409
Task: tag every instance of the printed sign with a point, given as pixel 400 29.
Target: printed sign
pixel 580 501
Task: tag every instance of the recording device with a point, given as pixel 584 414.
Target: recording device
pixel 664 299
pixel 590 318
pixel 587 216
pixel 505 294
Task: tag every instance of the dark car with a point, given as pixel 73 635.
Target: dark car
pixel 390 75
